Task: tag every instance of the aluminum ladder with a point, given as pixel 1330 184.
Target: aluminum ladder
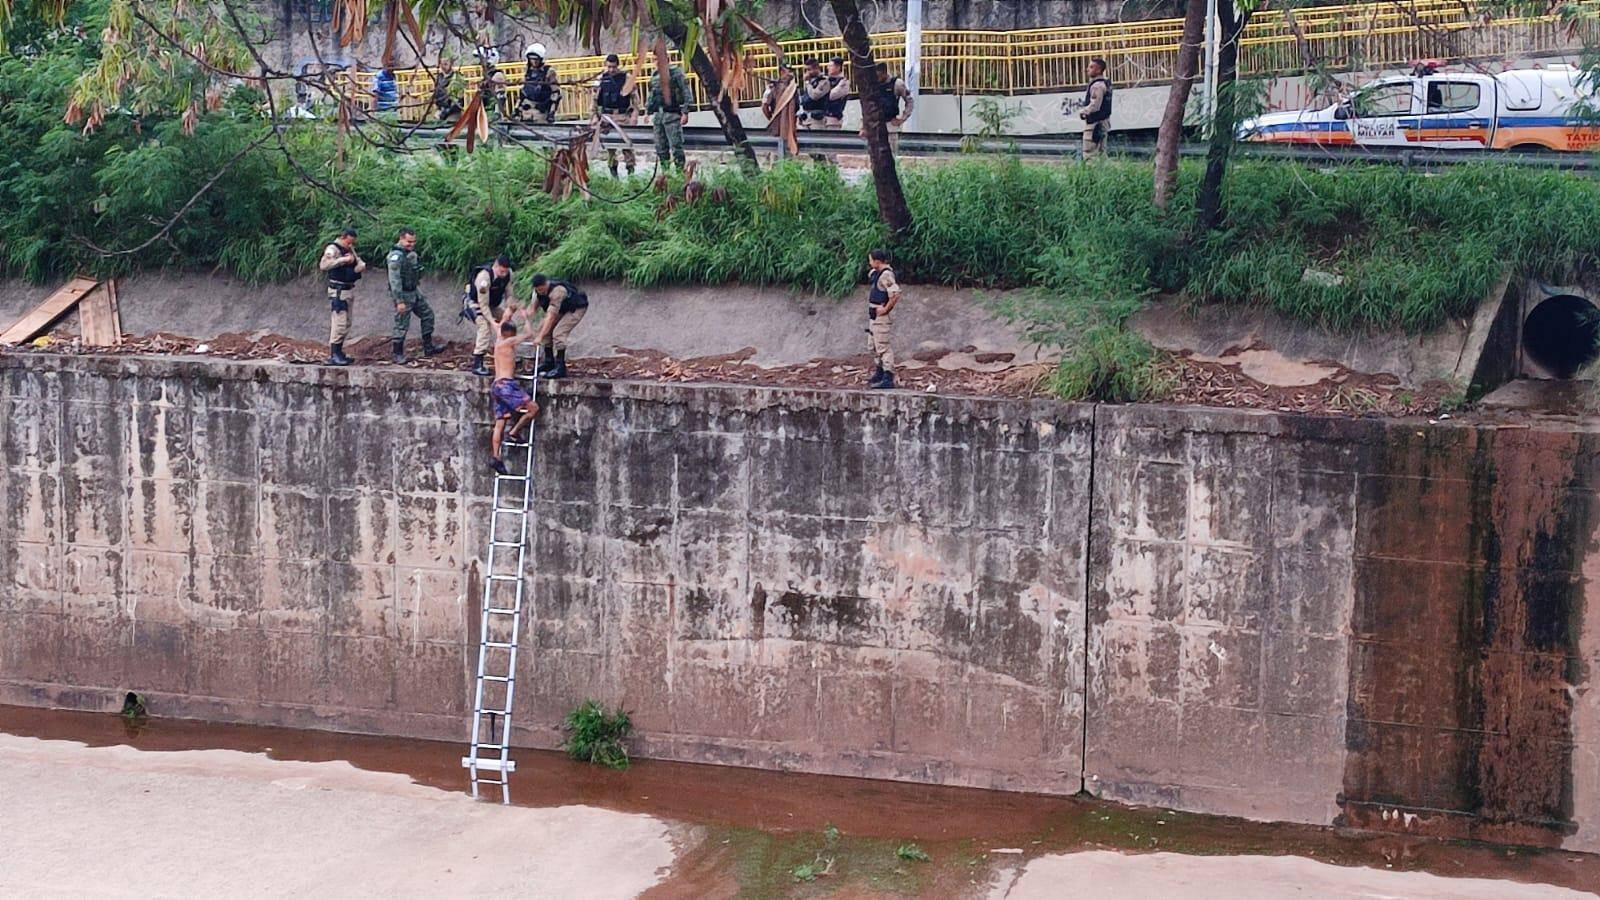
pixel 501 623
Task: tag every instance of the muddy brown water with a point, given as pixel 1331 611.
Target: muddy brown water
pixel 757 822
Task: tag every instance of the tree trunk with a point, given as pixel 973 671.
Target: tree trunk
pixel 864 77
pixel 1230 24
pixel 727 114
pixel 1170 137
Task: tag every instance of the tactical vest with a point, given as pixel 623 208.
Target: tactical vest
pixel 343 277
pixel 575 298
pixel 609 97
pixel 836 107
pixel 410 274
pixel 536 88
pixel 888 99
pixel 497 286
pixel 1104 112
pixel 817 105
pixel 878 296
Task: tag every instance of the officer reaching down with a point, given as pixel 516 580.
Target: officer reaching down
pixel 563 305
pixel 405 277
pixel 343 268
pixel 488 288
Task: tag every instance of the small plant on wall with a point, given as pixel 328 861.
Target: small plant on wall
pixel 596 736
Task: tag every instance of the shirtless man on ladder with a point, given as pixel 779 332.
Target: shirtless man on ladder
pixel 509 397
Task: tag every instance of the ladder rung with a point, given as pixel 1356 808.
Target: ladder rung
pixel 502 644
pixel 506 543
pixel 497 677
pixel 503 612
pixel 486 711
pixel 478 762
pixel 505 577
pixel 511 477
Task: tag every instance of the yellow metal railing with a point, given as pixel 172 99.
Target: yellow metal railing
pixel 1276 42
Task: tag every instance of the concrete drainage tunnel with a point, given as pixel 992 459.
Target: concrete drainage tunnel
pixel 1560 335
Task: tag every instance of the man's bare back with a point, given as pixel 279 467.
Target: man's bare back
pixel 505 356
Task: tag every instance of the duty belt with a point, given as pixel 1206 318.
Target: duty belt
pixel 336 286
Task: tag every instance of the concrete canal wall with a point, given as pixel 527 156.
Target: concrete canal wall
pixel 1378 623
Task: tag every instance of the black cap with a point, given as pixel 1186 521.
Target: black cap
pixel 612 57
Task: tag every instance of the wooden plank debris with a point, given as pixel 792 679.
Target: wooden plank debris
pixel 98 317
pixel 53 308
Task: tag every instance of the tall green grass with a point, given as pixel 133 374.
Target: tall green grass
pixel 1350 248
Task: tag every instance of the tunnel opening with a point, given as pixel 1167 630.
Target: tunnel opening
pixel 1560 335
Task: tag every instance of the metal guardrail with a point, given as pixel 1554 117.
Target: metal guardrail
pixel 1067 146
pixel 1277 42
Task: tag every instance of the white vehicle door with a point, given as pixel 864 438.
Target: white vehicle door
pixel 1383 113
pixel 1458 112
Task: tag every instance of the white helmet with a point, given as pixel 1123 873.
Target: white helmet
pixel 535 50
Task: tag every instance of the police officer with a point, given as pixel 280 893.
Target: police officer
pixel 1096 110
pixel 892 91
pixel 667 116
pixel 775 91
pixel 488 288
pixel 447 91
pixel 343 268
pixel 838 96
pixel 541 92
pixel 405 275
pixel 493 84
pixel 613 100
pixel 563 305
pixel 814 88
pixel 883 297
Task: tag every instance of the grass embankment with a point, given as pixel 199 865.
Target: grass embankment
pixel 1386 249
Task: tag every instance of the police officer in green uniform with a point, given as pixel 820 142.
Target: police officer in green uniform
pixel 667 115
pixel 405 275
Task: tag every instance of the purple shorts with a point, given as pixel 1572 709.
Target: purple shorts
pixel 509 398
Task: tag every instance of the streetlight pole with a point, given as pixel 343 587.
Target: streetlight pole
pixel 913 59
pixel 1208 94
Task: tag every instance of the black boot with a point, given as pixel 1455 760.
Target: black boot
pixel 399 352
pixel 559 370
pixel 876 377
pixel 429 348
pixel 547 363
pixel 336 355
pixel 478 368
pixel 884 383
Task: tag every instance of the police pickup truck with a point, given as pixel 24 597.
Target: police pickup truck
pixel 1521 109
